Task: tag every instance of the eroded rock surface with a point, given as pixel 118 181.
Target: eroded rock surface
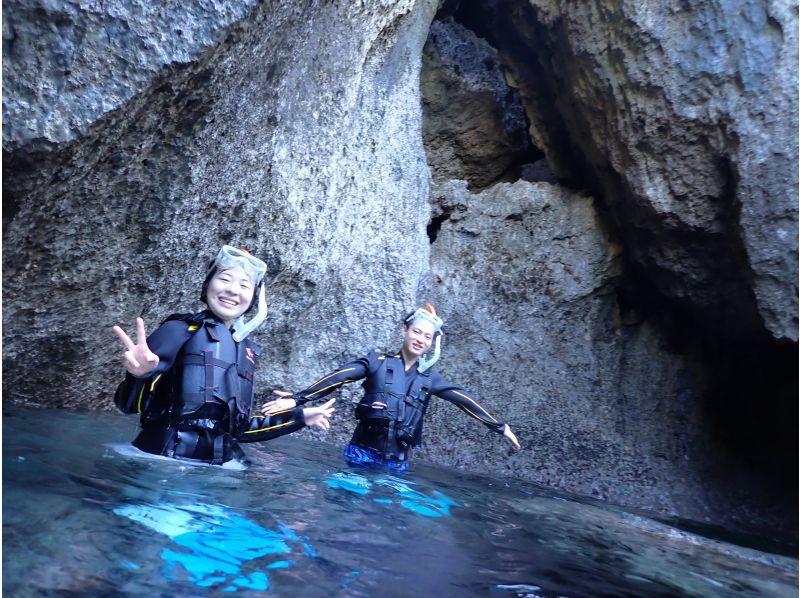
pixel 684 118
pixel 296 134
pixel 607 406
pixel 66 64
pixel 636 330
pixel 475 127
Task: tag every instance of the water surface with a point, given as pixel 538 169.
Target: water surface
pixel 84 515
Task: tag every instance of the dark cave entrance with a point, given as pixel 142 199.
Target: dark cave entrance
pixel 751 399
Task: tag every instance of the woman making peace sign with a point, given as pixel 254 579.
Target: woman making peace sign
pixel 192 379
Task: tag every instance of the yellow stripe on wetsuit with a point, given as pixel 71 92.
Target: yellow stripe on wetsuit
pixel 330 376
pixel 476 404
pixel 334 385
pixel 141 392
pixel 270 427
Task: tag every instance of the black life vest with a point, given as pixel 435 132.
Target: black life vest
pixel 402 417
pixel 214 377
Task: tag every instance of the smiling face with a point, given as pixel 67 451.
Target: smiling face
pixel 417 338
pixel 229 294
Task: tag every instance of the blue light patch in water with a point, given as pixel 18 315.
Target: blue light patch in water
pixel 352 482
pixel 218 543
pixel 256 581
pixel 347 582
pixel 420 509
pixel 429 506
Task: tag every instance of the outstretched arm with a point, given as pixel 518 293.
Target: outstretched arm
pixel 350 372
pixel 464 400
pixel 267 427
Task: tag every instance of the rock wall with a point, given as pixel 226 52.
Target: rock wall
pixel 625 339
pixel 684 119
pixel 528 279
pixel 69 63
pixel 611 235
pixel 295 131
pixel 475 128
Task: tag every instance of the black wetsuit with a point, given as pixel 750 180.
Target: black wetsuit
pixel 377 436
pixel 198 402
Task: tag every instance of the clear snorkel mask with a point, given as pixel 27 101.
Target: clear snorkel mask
pixel 231 257
pixel 428 313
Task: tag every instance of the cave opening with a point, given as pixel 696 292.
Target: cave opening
pixel 525 56
pixel 475 125
pixel 750 403
pixel 435 225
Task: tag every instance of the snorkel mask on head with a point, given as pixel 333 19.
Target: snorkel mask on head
pixel 231 257
pixel 428 313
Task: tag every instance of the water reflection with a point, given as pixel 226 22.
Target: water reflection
pixel 219 546
pixel 79 518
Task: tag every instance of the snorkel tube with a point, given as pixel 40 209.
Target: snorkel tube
pixel 428 313
pixel 242 327
pixel 231 257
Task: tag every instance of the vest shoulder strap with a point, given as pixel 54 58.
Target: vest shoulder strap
pixel 395 379
pixel 420 385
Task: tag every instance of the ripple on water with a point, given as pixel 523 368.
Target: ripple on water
pixel 84 512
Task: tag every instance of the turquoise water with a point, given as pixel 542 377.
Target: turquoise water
pixel 84 515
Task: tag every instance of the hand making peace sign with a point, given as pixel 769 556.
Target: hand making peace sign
pixel 138 359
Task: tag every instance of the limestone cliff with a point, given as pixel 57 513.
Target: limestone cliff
pixel 600 197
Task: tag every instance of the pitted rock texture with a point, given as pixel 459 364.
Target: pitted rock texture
pixel 475 127
pixel 528 278
pixel 66 64
pixel 295 136
pixel 684 119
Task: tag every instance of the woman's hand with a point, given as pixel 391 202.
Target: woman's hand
pixel 280 404
pixel 138 359
pixel 317 417
pixel 511 437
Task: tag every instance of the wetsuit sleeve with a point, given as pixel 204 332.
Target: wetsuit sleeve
pixel 267 427
pixel 464 400
pixel 350 372
pixel 166 342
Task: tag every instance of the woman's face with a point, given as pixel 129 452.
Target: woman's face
pixel 417 337
pixel 229 294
